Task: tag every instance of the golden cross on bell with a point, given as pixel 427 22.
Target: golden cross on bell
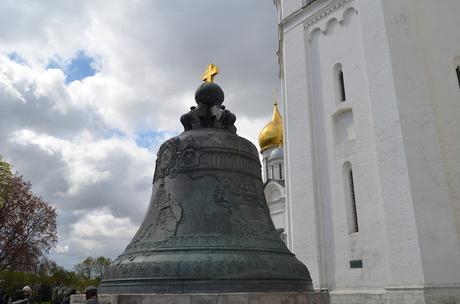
pixel 210 72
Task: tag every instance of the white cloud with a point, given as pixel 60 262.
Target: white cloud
pixel 102 223
pixel 95 233
pixel 61 248
pixel 87 159
pixel 78 143
pixel 250 128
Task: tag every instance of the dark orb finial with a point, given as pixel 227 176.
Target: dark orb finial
pixel 209 112
pixel 209 93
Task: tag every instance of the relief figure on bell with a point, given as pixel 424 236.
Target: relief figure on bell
pixel 167 213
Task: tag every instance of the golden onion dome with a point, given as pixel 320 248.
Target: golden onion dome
pixel 272 134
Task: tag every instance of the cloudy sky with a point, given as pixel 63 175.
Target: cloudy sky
pixel 90 89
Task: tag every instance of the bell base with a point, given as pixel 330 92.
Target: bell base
pixel 164 286
pixel 310 297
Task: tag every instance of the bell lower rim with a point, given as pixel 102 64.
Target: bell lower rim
pixel 212 265
pixel 194 286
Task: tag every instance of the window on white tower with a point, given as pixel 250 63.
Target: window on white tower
pixel 339 83
pixel 350 198
pixel 458 74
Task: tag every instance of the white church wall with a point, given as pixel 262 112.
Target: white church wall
pixel 440 65
pixel 302 232
pixel 430 142
pixel 345 137
pixel 401 238
pixel 278 218
pixel 320 165
pixel 398 129
pixel 275 196
pixel 380 164
pixel 265 155
pixel 271 166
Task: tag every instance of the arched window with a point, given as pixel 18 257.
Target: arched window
pixel 339 83
pixel 458 74
pixel 353 200
pixel 350 198
pixel 266 169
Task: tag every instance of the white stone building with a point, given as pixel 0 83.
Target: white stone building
pixel 371 92
pixel 271 148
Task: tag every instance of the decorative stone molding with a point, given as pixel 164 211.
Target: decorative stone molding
pixel 324 12
pixel 311 14
pixel 307 2
pixel 330 25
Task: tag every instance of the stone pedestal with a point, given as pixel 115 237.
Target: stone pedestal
pixel 78 299
pixel 395 295
pixel 233 298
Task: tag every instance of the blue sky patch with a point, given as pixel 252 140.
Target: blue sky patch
pixel 147 139
pixel 151 138
pixel 16 58
pixel 106 134
pixel 78 68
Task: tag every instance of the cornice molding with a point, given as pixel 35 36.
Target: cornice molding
pixel 324 12
pixel 311 14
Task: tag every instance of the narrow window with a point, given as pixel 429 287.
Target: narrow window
pixel 281 171
pixel 266 170
pixel 341 86
pixel 273 172
pixel 353 201
pixel 339 80
pixel 352 214
pixel 458 74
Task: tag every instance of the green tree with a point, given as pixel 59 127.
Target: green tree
pixel 6 178
pixel 100 265
pixel 27 223
pixel 85 269
pixel 92 268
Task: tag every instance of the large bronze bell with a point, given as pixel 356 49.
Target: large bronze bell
pixel 208 227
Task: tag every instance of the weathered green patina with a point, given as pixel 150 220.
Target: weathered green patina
pixel 208 227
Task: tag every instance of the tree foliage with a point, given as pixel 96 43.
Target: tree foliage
pixel 27 233
pixel 92 268
pixel 27 223
pixel 5 181
pixel 48 283
pixel 85 268
pixel 100 265
pixel 48 280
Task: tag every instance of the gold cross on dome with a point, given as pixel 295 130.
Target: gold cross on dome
pixel 275 101
pixel 210 72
